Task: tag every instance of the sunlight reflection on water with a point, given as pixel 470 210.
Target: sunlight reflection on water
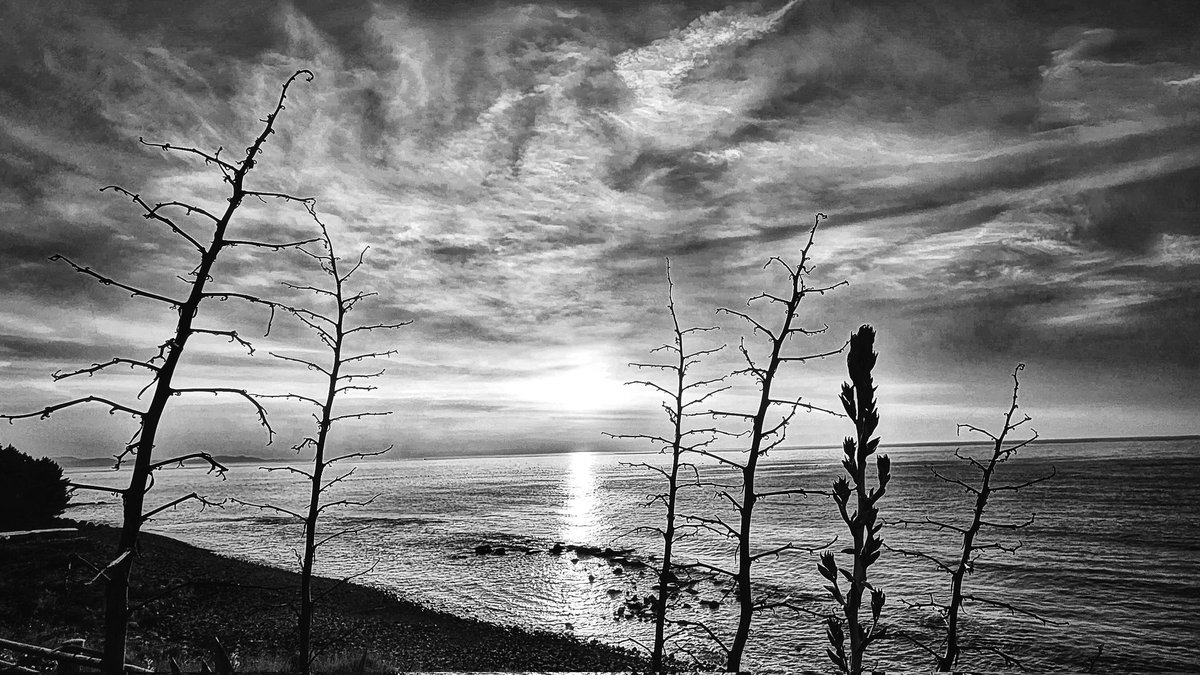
pixel 580 522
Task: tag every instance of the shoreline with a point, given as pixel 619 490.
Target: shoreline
pixel 185 596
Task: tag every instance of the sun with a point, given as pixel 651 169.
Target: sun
pixel 584 385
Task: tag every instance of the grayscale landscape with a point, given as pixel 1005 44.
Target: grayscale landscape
pixel 776 336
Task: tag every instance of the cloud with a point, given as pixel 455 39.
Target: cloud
pixel 1133 217
pixel 1002 181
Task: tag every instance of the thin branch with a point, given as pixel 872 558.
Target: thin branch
pixel 757 326
pixel 313 289
pixel 813 357
pixel 360 415
pixel 643 437
pixel 188 209
pixel 360 376
pixel 262 412
pixel 918 643
pixel 268 507
pixel 297 397
pixel 335 481
pixel 713 636
pixel 106 281
pixel 793 491
pixel 711 523
pixel 806 406
pixel 722 460
pixel 922 555
pixel 208 159
pixel 48 410
pixel 213 464
pixel 345 580
pixel 825 289
pixel 780 549
pixel 231 334
pixel 767 296
pixel 268 245
pixel 371 355
pixel 377 326
pixel 96 367
pixel 289 469
pixel 710 568
pixel 1009 526
pixel 703 398
pixel 153 214
pixel 972 427
pixel 98 488
pixel 176 502
pixel 657 387
pixel 347 502
pixel 328 538
pixel 1013 609
pixel 969 488
pixel 725 413
pixel 309 364
pixel 116 561
pixel 263 196
pixel 1021 486
pixel 359 455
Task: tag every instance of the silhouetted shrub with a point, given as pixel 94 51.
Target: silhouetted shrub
pixel 32 491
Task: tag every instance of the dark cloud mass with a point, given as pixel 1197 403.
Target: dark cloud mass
pixel 1006 180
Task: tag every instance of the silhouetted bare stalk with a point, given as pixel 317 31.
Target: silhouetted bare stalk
pixel 680 397
pixel 972 546
pixel 858 399
pixel 164 364
pixel 333 329
pixel 764 434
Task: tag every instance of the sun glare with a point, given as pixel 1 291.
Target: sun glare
pixel 586 388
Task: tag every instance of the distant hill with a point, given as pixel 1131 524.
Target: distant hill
pixel 107 462
pixel 84 462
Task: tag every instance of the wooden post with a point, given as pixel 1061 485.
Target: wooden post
pixel 65 667
pixel 60 656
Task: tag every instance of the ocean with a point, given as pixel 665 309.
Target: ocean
pixel 1111 560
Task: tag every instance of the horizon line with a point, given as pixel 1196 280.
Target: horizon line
pixel 249 459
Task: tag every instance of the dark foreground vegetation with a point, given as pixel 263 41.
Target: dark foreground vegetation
pixel 185 597
pixel 33 492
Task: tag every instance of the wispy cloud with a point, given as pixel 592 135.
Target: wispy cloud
pixel 1003 183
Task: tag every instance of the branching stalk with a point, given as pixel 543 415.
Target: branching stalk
pixel 764 434
pixel 678 399
pixel 335 337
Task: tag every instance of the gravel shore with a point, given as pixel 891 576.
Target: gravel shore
pixel 186 597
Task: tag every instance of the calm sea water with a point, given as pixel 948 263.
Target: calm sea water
pixel 1111 558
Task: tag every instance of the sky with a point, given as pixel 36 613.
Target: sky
pixel 1006 181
